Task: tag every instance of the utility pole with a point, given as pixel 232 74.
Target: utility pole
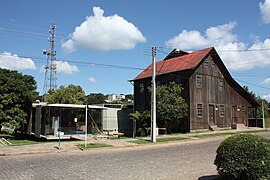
pixel 153 107
pixel 85 137
pixel 263 114
pixel 50 68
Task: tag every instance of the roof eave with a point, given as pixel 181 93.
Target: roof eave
pixel 190 68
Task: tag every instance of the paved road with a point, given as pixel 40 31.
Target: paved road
pixel 185 160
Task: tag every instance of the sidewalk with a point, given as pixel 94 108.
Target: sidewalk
pixel 65 146
pixel 70 146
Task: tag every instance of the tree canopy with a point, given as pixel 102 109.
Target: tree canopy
pixel 17 92
pixel 259 100
pixel 71 94
pixel 171 106
pixel 95 98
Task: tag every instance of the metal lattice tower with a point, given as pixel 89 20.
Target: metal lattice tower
pixel 50 68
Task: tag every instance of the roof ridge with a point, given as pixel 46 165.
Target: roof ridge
pixel 178 63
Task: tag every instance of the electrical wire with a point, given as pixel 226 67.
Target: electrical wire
pixel 93 64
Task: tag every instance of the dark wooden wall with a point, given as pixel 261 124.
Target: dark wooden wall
pixel 210 95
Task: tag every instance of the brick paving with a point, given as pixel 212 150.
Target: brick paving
pixel 185 160
pixel 188 159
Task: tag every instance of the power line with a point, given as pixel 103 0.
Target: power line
pixel 93 64
pixel 12 28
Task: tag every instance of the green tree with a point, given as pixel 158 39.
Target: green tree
pixel 259 100
pixel 17 92
pixel 95 98
pixel 142 120
pixel 66 95
pixel 171 106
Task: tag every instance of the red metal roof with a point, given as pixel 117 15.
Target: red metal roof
pixel 187 61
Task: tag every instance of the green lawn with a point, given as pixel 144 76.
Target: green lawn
pixel 228 133
pixel 21 139
pixel 145 141
pixel 121 137
pixel 141 141
pixel 93 145
pixel 255 131
pixel 24 142
pixel 214 134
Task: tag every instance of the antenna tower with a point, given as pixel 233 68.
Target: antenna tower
pixel 50 68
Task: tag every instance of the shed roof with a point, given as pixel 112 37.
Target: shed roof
pixel 182 62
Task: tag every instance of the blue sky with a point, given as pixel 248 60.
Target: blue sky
pixel 122 32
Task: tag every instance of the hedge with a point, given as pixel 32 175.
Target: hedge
pixel 244 156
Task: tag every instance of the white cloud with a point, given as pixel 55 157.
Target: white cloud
pixel 265 11
pixel 63 67
pixel 267 97
pixel 14 62
pixel 66 68
pixel 235 54
pixel 92 80
pixel 266 81
pixel 194 39
pixel 104 33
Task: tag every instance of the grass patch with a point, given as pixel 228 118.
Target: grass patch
pixel 146 141
pixel 121 137
pixel 23 142
pixel 141 141
pixel 214 134
pixel 93 145
pixel 255 131
pixel 171 139
pixel 21 139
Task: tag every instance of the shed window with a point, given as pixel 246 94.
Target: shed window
pixel 206 62
pixel 221 110
pixel 243 112
pixel 213 65
pixel 198 81
pixel 178 80
pixel 199 110
pixel 141 88
pixel 221 85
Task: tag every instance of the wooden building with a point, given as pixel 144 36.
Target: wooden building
pixel 214 98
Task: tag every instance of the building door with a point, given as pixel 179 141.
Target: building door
pixel 211 115
pixel 234 114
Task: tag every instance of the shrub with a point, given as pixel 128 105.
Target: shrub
pixel 244 156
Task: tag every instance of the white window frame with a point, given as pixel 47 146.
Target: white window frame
pixel 213 65
pixel 199 111
pixel 221 110
pixel 198 81
pixel 221 85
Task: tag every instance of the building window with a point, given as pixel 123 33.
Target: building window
pixel 221 110
pixel 221 85
pixel 141 88
pixel 178 80
pixel 206 62
pixel 243 112
pixel 158 83
pixel 199 110
pixel 198 81
pixel 213 65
